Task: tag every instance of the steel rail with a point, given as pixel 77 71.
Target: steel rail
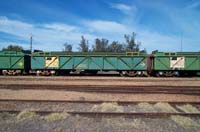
pixel 100 86
pixel 111 89
pixel 129 114
pixel 96 101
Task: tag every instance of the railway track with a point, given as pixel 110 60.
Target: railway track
pixel 96 78
pixel 110 88
pixel 114 114
pixel 57 106
pixel 45 107
pixel 20 101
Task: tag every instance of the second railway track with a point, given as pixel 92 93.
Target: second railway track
pixel 109 88
pixel 114 114
pixel 47 107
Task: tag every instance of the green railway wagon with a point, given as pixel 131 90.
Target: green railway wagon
pixel 129 63
pixel 13 62
pixel 170 63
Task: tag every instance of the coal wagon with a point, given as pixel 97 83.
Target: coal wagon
pixel 130 63
pixel 14 63
pixel 175 63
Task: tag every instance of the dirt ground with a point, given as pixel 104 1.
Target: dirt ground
pixel 66 95
pixel 29 94
pixel 63 122
pixel 30 122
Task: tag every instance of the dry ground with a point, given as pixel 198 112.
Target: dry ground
pixel 97 81
pixel 28 121
pixel 66 95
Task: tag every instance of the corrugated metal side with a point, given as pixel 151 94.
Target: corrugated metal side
pixel 92 62
pixel 12 61
pixel 187 62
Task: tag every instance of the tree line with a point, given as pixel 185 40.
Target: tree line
pixel 100 45
pixel 13 48
pixel 103 45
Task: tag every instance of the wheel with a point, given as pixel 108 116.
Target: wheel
pixel 4 72
pixel 38 73
pixel 168 73
pixel 53 73
pixel 159 74
pixel 11 72
pixel 123 73
pixel 131 73
pixel 176 74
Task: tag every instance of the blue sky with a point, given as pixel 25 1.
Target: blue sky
pixel 159 24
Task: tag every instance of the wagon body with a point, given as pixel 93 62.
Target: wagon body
pixel 177 61
pixel 12 60
pixel 89 61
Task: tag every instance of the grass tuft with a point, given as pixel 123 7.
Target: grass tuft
pixel 184 121
pixel 165 107
pixel 188 108
pixel 26 114
pixel 108 107
pixel 146 106
pixel 55 116
pixel 6 115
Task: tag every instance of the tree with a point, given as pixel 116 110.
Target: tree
pixel 115 46
pixel 101 45
pixel 131 44
pixel 83 46
pixel 67 47
pixel 13 48
pixel 97 46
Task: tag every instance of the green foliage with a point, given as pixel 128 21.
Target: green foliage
pixel 115 46
pixel 55 116
pixel 67 47
pixel 132 46
pixel 83 46
pixel 13 48
pixel 26 114
pixel 101 45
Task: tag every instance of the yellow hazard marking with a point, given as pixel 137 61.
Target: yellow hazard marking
pixel 20 64
pixel 177 62
pixel 51 62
